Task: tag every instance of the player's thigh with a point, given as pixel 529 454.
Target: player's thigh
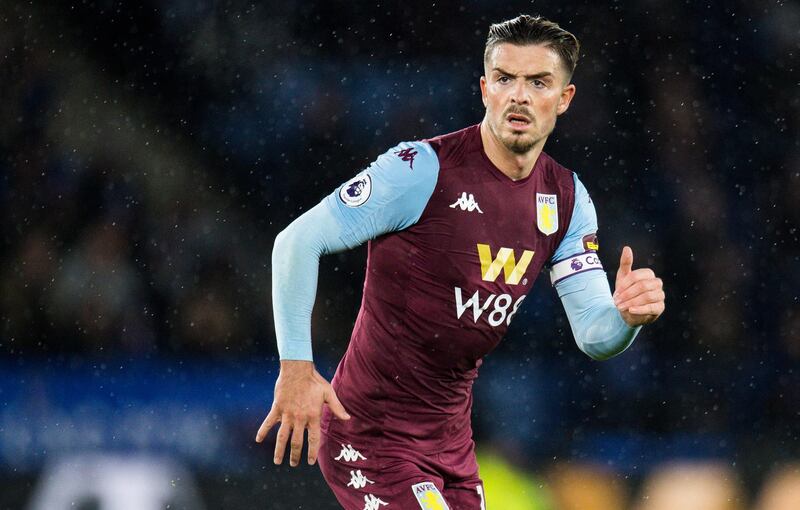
pixel 467 495
pixel 361 480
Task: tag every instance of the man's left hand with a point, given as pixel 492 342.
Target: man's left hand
pixel 638 294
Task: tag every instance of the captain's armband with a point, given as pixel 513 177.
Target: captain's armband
pixel 580 263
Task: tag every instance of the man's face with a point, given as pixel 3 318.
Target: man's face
pixel 524 90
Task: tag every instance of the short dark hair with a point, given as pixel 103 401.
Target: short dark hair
pixel 525 29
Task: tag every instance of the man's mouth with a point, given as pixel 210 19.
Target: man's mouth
pixel 518 120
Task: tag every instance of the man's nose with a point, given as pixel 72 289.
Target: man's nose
pixel 519 94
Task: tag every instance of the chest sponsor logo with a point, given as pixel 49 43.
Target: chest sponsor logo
pixel 356 191
pixel 466 203
pixel 429 497
pixel 547 213
pixel 498 307
pixel 505 261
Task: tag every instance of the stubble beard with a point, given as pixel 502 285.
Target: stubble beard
pixel 518 144
pixel 521 144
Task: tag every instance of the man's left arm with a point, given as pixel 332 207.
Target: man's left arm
pixel 603 324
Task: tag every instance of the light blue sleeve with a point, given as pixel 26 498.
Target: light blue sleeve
pixel 583 223
pixel 596 324
pixel 389 195
pixel 582 286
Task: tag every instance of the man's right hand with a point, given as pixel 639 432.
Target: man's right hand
pixel 300 393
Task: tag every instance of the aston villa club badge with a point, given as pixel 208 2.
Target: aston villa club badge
pixel 547 213
pixel 429 497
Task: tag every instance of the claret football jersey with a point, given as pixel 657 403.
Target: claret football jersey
pixel 455 246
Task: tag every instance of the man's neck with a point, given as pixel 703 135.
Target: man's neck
pixel 515 166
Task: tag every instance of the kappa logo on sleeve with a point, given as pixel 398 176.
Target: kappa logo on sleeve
pixel 407 155
pixel 429 497
pixel 356 191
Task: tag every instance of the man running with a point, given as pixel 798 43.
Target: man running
pixel 458 226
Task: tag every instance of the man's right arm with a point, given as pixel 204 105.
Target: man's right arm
pixel 388 196
pixel 295 266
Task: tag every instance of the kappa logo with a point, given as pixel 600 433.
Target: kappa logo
pixel 429 497
pixel 373 503
pixel 358 480
pixel 466 203
pixel 350 454
pixel 407 155
pixel 505 261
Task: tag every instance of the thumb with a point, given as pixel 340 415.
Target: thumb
pixel 625 263
pixel 336 407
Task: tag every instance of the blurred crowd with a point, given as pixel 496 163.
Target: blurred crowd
pixel 141 482
pixel 151 153
pixel 675 485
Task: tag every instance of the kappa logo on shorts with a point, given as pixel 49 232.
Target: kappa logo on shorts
pixel 358 480
pixel 350 454
pixel 373 503
pixel 429 497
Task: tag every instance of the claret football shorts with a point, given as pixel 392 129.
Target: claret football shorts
pixel 365 478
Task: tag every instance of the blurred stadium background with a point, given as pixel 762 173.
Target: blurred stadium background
pixel 151 151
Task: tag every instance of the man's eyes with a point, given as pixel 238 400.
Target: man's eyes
pixel 535 82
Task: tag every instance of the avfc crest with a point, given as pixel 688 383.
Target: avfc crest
pixel 356 191
pixel 429 497
pixel 547 213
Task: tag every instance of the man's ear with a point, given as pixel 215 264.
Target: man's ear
pixel 566 98
pixel 483 90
